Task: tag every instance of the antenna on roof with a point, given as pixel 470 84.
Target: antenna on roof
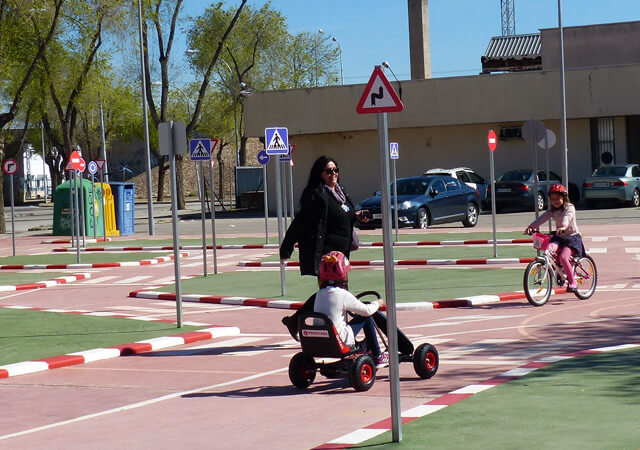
pixel 508 15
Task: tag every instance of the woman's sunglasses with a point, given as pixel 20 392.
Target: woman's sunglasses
pixel 331 171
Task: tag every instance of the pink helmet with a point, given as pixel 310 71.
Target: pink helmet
pixel 558 189
pixel 334 266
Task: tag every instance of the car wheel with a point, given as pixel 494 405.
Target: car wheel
pixel 635 199
pixel 471 216
pixel 540 200
pixel 422 219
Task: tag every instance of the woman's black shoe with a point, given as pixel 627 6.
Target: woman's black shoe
pixel 292 326
pixel 572 289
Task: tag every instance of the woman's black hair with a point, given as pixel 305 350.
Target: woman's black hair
pixel 315 175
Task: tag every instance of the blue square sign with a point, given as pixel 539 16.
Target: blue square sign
pixel 200 149
pixel 276 141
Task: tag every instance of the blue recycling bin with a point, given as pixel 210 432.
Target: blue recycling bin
pixel 124 201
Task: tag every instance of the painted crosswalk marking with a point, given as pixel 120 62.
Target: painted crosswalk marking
pixel 534 350
pixel 133 280
pixel 486 344
pixel 99 280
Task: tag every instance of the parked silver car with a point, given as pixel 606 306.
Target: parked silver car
pixel 620 183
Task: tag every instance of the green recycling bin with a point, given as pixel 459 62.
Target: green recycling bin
pixel 93 212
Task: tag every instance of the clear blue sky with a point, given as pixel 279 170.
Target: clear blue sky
pixel 372 31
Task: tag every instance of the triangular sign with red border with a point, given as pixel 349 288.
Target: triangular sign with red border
pixel 68 166
pixel 99 163
pixel 214 144
pixel 379 96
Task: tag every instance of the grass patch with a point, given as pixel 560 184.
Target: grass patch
pixel 412 285
pixel 14 278
pixel 85 258
pixel 27 335
pixel 589 402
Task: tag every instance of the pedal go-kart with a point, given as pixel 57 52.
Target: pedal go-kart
pixel 322 341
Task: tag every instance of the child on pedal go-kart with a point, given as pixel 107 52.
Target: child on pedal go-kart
pixel 334 300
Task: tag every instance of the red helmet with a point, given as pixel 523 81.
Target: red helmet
pixel 334 266
pixel 558 189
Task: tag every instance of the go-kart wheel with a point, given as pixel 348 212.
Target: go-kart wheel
pixel 302 370
pixel 426 360
pixel 362 373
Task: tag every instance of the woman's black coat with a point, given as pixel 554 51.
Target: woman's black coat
pixel 308 229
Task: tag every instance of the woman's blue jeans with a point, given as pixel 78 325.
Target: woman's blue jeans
pixel 366 323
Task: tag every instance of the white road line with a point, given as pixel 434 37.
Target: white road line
pixel 206 347
pixel 597 250
pixel 632 250
pixel 143 403
pixel 480 362
pixel 600 238
pixel 631 238
pixel 98 280
pixel 133 280
pixel 485 344
pixel 529 352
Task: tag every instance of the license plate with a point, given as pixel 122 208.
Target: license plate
pixel 601 185
pixel 503 190
pixel 377 216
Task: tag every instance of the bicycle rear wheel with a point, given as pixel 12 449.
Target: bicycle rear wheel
pixel 537 283
pixel 586 275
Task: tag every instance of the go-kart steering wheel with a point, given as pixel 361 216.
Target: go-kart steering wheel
pixel 366 293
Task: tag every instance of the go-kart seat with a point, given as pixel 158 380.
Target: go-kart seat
pixel 319 337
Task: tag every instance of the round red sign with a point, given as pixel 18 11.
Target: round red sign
pixel 82 165
pixel 492 140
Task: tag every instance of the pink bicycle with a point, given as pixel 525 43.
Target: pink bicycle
pixel 546 269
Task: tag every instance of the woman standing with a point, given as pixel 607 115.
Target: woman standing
pixel 323 224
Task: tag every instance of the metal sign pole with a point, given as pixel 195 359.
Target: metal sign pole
pixel 72 210
pixel 283 281
pixel 213 220
pixel 546 149
pixel 493 203
pixel 534 147
pixel 395 200
pixel 285 195
pixel 82 217
pixel 266 204
pixel 93 206
pixel 13 222
pixel 389 280
pixel 204 220
pixel 75 186
pixel 104 216
pixel 176 237
pixel 44 164
pixel 291 208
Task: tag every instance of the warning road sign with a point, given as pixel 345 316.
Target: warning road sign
pixel 379 96
pixel 277 140
pixel 200 149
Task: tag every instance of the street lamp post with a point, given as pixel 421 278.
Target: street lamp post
pixel 146 125
pixel 341 69
pixel 183 93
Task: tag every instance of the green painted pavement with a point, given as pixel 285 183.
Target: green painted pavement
pixel 27 335
pixel 412 285
pixel 85 258
pixel 590 402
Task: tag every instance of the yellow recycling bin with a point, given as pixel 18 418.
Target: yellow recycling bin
pixel 109 211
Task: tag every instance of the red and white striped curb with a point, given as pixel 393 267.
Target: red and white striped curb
pixel 68 241
pixel 404 262
pixel 97 354
pixel 451 242
pixel 375 429
pixel 144 262
pixel 477 300
pixel 46 283
pixel 165 247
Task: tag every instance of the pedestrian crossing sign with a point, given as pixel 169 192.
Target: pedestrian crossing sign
pixel 277 141
pixel 200 149
pixel 394 150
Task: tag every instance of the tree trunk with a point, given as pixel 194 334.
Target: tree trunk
pixel 162 171
pixel 221 180
pixel 3 226
pixel 180 181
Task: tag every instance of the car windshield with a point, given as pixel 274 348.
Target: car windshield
pixel 413 186
pixel 516 175
pixel 610 172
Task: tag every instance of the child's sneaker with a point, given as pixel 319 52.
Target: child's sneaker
pixel 382 360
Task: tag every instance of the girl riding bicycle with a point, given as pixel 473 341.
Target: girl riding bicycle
pixel 567 239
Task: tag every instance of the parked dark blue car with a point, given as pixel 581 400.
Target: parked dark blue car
pixel 429 200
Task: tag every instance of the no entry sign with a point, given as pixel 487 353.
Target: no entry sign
pixel 492 140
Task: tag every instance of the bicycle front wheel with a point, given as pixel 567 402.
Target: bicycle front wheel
pixel 537 283
pixel 586 275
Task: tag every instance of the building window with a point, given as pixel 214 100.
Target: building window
pixel 606 144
